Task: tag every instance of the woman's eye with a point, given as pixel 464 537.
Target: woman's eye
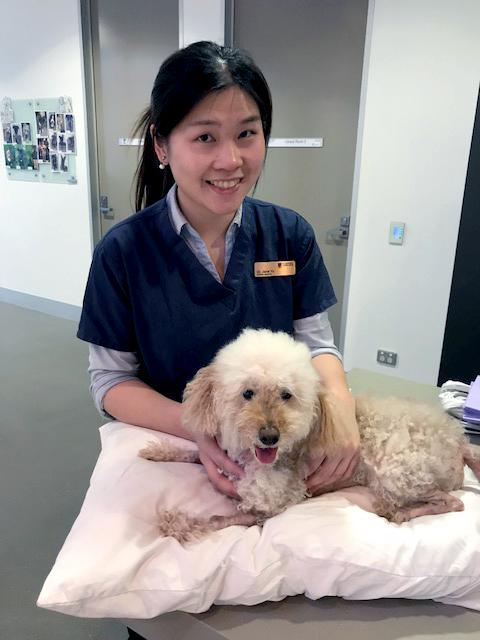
pixel 205 137
pixel 248 394
pixel 285 395
pixel 247 133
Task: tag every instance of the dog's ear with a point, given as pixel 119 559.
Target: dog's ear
pixel 325 435
pixel 199 411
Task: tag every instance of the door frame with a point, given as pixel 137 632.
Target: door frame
pixel 85 8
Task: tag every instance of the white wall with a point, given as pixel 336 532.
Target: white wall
pixel 203 20
pixel 419 96
pixel 45 238
pixel 45 245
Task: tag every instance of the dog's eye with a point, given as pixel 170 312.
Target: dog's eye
pixel 248 394
pixel 285 395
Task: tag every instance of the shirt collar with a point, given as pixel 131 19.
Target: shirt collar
pixel 179 221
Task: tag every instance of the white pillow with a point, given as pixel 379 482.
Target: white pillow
pixel 113 563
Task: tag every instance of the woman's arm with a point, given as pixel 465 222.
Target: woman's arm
pixel 329 469
pixel 136 403
pixel 334 382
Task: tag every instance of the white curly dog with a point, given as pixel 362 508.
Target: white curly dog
pixel 262 399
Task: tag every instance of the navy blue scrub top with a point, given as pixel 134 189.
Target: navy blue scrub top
pixel 148 293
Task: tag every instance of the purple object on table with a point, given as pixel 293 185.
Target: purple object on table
pixel 471 410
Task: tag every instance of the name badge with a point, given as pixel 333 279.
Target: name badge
pixel 275 268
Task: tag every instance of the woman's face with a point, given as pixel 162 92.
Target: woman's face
pixel 216 154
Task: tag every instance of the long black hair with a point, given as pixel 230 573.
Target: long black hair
pixel 184 79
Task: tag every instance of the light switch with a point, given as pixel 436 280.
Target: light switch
pixel 397 232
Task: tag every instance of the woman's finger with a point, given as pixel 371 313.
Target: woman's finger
pixel 323 474
pixel 227 465
pixel 314 463
pixel 225 486
pixel 331 470
pixel 321 483
pixel 340 471
pixel 220 458
pixel 352 466
pixel 219 481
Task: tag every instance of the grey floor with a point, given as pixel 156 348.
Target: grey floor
pixel 48 447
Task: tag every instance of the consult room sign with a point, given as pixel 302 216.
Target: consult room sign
pixel 274 142
pixel 295 142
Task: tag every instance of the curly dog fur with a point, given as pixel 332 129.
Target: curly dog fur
pixel 262 399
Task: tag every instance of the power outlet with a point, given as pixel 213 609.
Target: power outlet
pixel 387 357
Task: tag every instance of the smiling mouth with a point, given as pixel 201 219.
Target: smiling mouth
pixel 225 184
pixel 266 455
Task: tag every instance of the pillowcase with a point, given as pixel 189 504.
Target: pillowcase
pixel 114 564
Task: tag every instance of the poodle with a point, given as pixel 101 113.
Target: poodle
pixel 263 401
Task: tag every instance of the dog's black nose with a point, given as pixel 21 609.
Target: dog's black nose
pixel 269 435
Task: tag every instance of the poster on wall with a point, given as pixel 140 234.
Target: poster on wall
pixel 39 139
pixel 41 118
pixel 7 134
pixel 27 133
pixel 17 133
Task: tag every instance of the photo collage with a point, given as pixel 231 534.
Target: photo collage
pixel 49 140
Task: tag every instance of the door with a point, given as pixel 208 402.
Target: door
pixel 311 53
pixel 461 344
pixel 129 42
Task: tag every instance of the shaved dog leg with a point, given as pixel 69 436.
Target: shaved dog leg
pixel 242 519
pixel 164 453
pixel 439 502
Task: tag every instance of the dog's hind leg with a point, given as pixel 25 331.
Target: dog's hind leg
pixel 471 457
pixel 159 452
pixel 182 527
pixel 243 519
pixel 437 502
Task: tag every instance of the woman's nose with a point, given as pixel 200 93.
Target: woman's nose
pixel 228 157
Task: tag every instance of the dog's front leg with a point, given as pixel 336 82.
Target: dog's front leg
pixel 160 452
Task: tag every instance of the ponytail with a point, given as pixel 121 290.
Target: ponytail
pixel 151 183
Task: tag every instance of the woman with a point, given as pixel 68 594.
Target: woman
pixel 173 283
pixel 179 277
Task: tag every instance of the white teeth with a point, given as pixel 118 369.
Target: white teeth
pixel 224 184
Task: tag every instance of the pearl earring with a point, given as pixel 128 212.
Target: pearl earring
pixel 161 166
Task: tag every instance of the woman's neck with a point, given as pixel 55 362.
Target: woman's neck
pixel 211 228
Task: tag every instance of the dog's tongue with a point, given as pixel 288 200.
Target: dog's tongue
pixel 266 456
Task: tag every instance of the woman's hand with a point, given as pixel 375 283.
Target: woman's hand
pixel 330 470
pixel 327 472
pixel 217 464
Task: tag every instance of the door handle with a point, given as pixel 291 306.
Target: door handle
pixel 104 208
pixel 341 233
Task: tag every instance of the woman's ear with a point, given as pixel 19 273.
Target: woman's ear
pixel 158 145
pixel 199 413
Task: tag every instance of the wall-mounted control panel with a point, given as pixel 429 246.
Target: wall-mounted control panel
pixel 397 233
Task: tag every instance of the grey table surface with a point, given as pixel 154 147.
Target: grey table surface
pixel 332 618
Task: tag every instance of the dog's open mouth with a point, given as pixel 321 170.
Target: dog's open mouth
pixel 266 455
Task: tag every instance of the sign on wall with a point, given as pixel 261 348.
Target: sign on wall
pixel 39 140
